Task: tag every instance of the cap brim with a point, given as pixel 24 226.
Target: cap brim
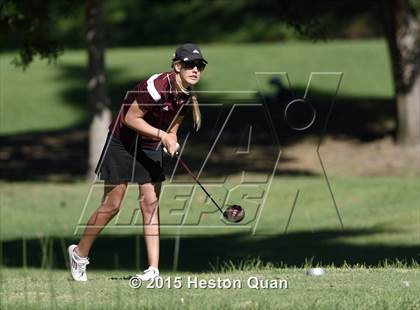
pixel 198 57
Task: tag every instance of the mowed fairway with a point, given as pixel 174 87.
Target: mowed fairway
pixel 343 288
pixel 376 257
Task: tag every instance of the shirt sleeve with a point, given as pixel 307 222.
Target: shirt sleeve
pixel 142 96
pixel 149 94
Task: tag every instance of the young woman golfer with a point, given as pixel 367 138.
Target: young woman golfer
pixel 148 121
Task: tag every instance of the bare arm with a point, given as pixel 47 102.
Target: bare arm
pixel 134 120
pixel 175 125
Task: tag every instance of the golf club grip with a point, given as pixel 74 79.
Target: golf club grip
pixel 198 182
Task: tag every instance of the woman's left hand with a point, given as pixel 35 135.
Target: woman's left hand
pixel 169 143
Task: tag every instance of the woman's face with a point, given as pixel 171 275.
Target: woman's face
pixel 190 72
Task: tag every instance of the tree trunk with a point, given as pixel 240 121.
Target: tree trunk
pixel 402 30
pixel 98 98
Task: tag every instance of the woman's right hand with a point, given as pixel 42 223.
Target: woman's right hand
pixel 169 141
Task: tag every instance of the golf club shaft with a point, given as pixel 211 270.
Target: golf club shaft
pixel 198 182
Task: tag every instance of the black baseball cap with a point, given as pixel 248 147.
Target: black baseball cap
pixel 188 52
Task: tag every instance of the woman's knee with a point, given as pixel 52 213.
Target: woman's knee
pixel 110 208
pixel 149 198
pixel 113 197
pixel 148 204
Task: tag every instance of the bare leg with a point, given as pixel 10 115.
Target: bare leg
pixel 111 202
pixel 149 204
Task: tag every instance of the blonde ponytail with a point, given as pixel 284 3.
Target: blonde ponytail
pixel 196 112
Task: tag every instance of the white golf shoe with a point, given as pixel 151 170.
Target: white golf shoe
pixel 149 274
pixel 77 264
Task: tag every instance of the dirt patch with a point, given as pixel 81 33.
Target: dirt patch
pixel 353 158
pixel 62 155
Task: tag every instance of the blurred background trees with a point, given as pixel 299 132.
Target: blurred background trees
pixel 98 98
pixel 402 30
pixel 46 28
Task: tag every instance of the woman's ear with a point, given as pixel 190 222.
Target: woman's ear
pixel 177 67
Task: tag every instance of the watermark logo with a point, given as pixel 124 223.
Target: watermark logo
pixel 241 149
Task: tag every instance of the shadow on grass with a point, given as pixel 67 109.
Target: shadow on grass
pixel 208 252
pixel 62 155
pixel 57 155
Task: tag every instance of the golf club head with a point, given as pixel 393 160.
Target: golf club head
pixel 234 213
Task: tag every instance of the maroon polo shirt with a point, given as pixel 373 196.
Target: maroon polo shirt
pixel 158 97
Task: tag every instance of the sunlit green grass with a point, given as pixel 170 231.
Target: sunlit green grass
pixel 388 206
pixel 379 214
pixel 51 96
pixel 340 288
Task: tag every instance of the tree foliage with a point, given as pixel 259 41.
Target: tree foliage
pixel 45 27
pixel 32 27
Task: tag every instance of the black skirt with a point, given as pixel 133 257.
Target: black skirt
pixel 128 162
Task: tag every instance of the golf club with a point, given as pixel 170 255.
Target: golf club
pixel 232 213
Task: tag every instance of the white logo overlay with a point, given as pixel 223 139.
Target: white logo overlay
pixel 193 282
